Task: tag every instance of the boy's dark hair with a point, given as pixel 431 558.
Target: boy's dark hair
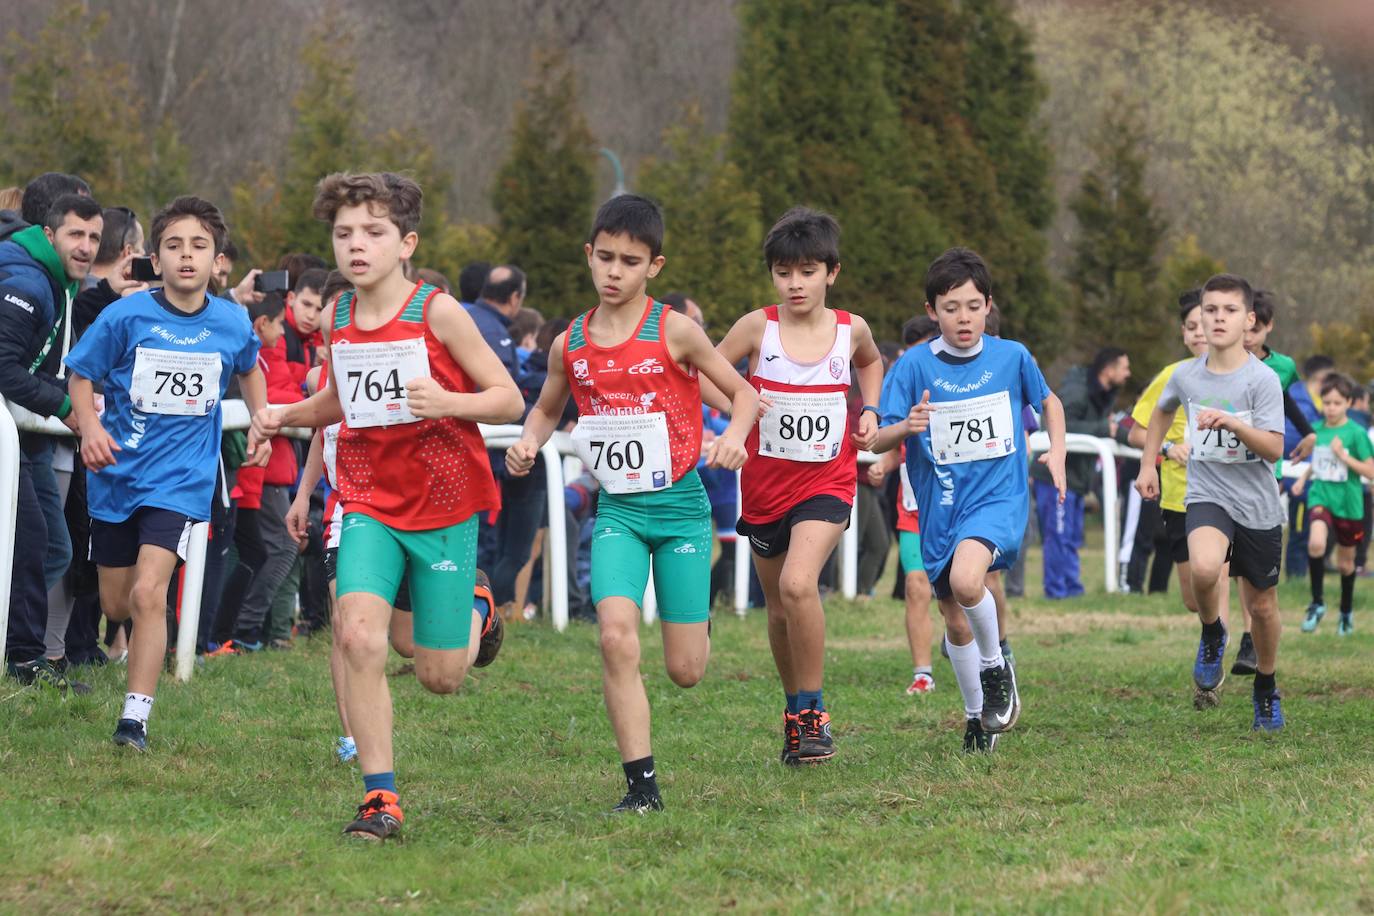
pixel 525 322
pixel 334 284
pixel 800 235
pixel 41 193
pixel 400 195
pixel 992 325
pixel 548 331
pixel 83 207
pixel 953 269
pixel 677 301
pixel 1341 383
pixel 1318 362
pixel 435 279
pixel 500 291
pixel 632 215
pixel 313 279
pixel 922 327
pixel 299 262
pixel 207 213
pixel 120 228
pixel 1264 306
pixel 230 250
pixel 270 306
pixel 471 279
pixel 1188 300
pixel 1232 283
pixel 889 350
pixel 1104 358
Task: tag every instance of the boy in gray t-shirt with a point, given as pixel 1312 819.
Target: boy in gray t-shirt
pixel 1235 434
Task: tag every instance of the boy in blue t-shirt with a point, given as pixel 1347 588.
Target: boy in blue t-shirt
pixel 163 358
pixel 957 403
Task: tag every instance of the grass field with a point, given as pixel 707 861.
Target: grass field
pixel 1113 794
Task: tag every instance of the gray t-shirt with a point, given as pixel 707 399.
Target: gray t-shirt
pixel 1221 470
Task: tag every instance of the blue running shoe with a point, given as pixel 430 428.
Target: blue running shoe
pixel 1268 712
pixel 346 749
pixel 1315 612
pixel 1208 670
pixel 1346 626
pixel 131 733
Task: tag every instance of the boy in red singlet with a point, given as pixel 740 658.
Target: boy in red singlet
pixel 631 364
pixel 410 377
pixel 798 485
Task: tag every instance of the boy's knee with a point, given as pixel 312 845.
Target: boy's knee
pixel 796 589
pixel 147 597
pixel 360 643
pixel 619 644
pixel 686 674
pixel 441 682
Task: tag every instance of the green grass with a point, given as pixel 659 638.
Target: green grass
pixel 1113 794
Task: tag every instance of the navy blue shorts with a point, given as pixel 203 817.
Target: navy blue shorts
pixel 117 543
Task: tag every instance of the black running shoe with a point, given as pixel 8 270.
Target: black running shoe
pixel 1001 701
pixel 60 665
pixel 378 817
pixel 639 801
pixel 495 630
pixel 1006 653
pixel 791 737
pixel 977 741
pixel 132 733
pixel 40 672
pixel 814 744
pixel 1247 662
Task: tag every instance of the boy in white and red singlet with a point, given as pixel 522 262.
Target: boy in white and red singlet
pixel 631 364
pixel 410 377
pixel 798 487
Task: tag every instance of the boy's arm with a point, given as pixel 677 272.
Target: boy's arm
pixel 869 362
pixel 1301 483
pixel 320 409
pixel 298 516
pixel 688 343
pixel 741 342
pixel 543 417
pixel 1266 443
pixel 1147 481
pixel 904 415
pixel 97 445
pixel 254 387
pixel 498 398
pixel 1053 413
pixel 1362 466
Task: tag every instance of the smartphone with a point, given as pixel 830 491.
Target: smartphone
pixel 272 281
pixel 142 271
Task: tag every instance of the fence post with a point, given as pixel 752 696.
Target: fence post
pixel 193 584
pixel 742 558
pixel 557 580
pixel 9 512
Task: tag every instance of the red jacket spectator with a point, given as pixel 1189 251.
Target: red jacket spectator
pixel 281 470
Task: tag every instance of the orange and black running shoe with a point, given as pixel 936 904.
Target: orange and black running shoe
pixel 379 817
pixel 791 737
pixel 815 744
pixel 494 631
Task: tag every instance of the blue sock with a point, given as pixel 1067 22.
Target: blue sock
pixel 810 699
pixel 792 705
pixel 374 781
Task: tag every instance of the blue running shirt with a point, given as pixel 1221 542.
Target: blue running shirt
pixel 969 469
pixel 167 421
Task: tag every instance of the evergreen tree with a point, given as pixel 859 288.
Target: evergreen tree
pixel 544 192
pixel 714 234
pixel 1116 294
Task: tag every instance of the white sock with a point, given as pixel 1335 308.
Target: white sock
pixel 137 707
pixel 982 618
pixel 966 675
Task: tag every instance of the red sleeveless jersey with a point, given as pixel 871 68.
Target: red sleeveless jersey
pixel 770 485
pixel 414 476
pixel 638 376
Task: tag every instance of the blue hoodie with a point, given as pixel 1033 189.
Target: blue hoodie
pixel 33 304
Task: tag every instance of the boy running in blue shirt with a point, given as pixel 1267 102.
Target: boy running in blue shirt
pixel 957 404
pixel 164 358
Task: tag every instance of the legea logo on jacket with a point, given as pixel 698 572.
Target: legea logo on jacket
pixel 19 302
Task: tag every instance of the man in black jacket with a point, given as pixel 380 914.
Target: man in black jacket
pixel 41 267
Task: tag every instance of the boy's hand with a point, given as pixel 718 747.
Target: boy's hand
pixel 244 294
pixel 427 399
pixel 1299 485
pixel 867 435
pixel 1054 460
pixel 1211 418
pixel 1179 452
pixel 259 452
pixel 520 457
pixel 98 448
pixel 918 420
pixel 1304 447
pixel 298 519
pixel 726 452
pixel 267 424
pixel 877 473
pixel 1338 449
pixel 1147 481
pixel 765 404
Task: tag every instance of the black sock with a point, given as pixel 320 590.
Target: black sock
pixel 639 774
pixel 1316 569
pixel 1265 683
pixel 1347 593
pixel 1212 632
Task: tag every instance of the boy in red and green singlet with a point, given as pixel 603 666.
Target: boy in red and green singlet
pixel 410 377
pixel 631 365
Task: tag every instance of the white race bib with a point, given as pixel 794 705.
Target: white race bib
pixel 626 454
pixel 1327 467
pixel 908 493
pixel 175 382
pixel 803 426
pixel 372 379
pixel 974 429
pixel 1219 445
